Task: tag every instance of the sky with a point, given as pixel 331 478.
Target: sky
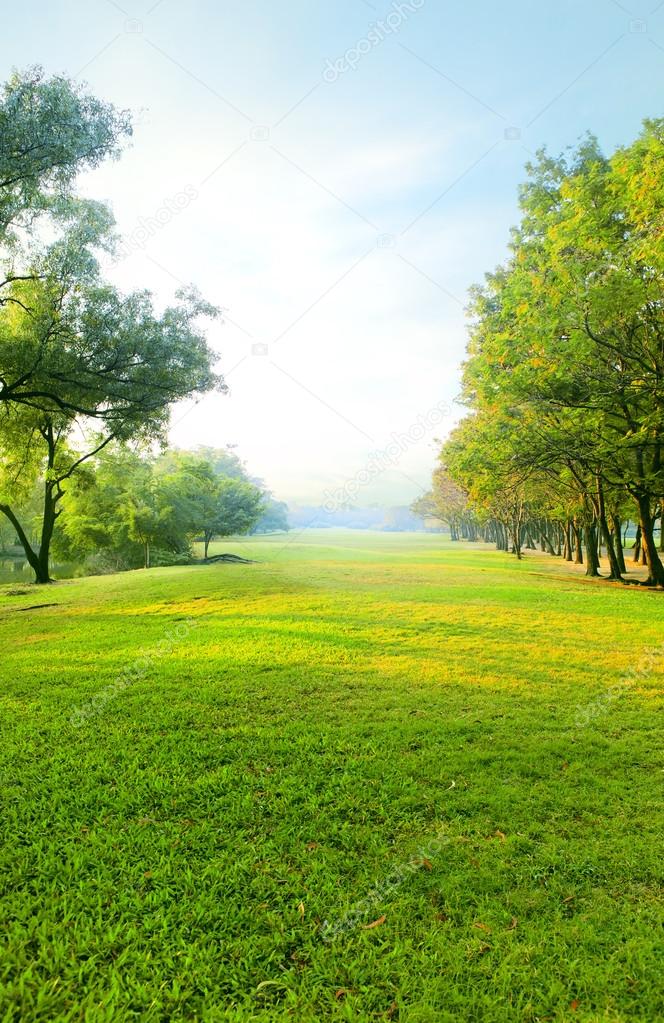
pixel 335 176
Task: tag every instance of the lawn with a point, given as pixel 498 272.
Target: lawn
pixel 369 777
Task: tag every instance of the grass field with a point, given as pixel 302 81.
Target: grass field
pixel 370 777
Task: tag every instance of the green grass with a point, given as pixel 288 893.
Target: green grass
pixel 375 725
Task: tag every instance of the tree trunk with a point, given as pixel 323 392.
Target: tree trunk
pixel 655 567
pixel 592 561
pixel 604 531
pixel 31 555
pixel 516 540
pixel 206 544
pixel 39 560
pixel 578 544
pixel 617 537
pixel 636 557
pixel 51 495
pixel 546 545
pixel 567 542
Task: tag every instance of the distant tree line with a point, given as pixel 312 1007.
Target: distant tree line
pixel 391 519
pixel 564 378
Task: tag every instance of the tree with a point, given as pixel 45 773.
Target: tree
pixel 98 521
pixel 236 508
pixel 447 502
pixel 123 512
pixel 121 366
pixel 220 498
pixel 274 518
pixel 140 509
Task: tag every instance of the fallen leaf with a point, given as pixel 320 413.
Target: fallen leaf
pixel 499 834
pixel 300 909
pixel 312 845
pixel 483 948
pixel 513 924
pixel 340 993
pixel 570 898
pixel 148 874
pixel 391 1011
pixel 574 1005
pixel 375 923
pixel 442 916
pixel 482 927
pixel 452 786
pixel 427 864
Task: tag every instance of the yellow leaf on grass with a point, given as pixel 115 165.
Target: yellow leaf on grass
pixel 375 923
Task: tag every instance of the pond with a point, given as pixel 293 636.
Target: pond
pixel 17 570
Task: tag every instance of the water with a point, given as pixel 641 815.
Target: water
pixel 17 570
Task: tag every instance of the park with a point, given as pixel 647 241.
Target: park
pixel 332 514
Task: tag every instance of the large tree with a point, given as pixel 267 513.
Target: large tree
pixel 120 365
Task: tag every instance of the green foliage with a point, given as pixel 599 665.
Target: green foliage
pixel 565 374
pixel 50 130
pixel 131 508
pixel 215 504
pixel 274 518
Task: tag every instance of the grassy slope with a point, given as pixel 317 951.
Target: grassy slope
pixel 322 718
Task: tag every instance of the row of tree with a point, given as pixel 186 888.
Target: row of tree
pixel 565 371
pixel 84 368
pixel 529 527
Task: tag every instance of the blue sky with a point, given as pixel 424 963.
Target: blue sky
pixel 339 216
